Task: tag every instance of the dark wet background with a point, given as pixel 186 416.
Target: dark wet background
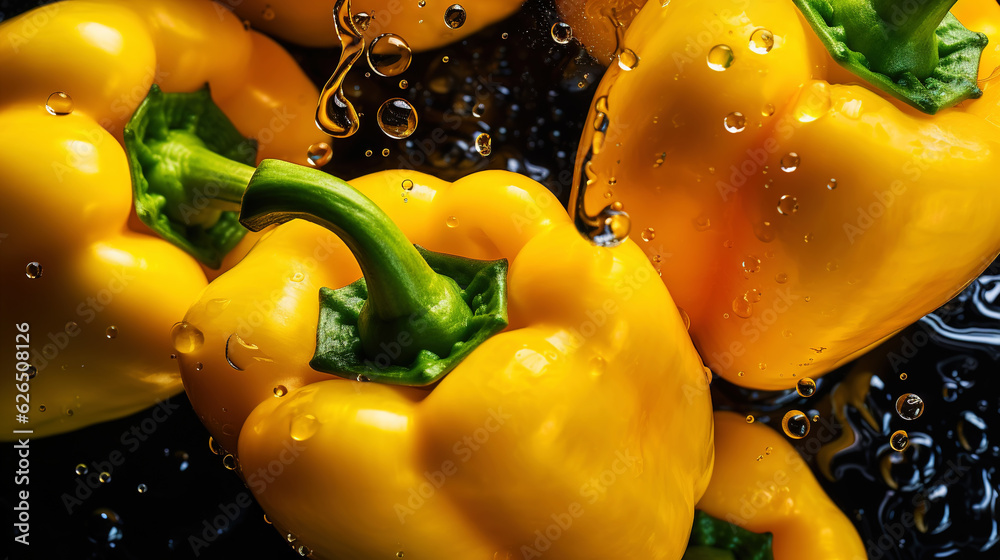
pixel 935 499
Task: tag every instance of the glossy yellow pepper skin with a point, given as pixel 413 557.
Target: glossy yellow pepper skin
pixel 585 410
pixel 105 54
pixel 310 22
pixel 761 483
pixel 68 192
pixel 595 23
pixel 796 217
pixel 99 312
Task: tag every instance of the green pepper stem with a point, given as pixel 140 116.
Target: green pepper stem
pixel 896 36
pixel 197 183
pixel 406 299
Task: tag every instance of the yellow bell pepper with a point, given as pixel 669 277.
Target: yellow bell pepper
pixel 761 484
pixel 421 24
pixel 797 217
pixel 587 409
pixel 108 292
pixel 101 297
pixel 598 23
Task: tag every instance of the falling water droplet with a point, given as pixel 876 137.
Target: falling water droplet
pixel 319 154
pixel 902 377
pixel 790 162
pixel 141 488
pixel 742 307
pixel 750 419
pixel 335 115
pixel 214 446
pixel 59 103
pixel 761 41
pixel 478 110
pixel 104 477
pixel 385 152
pixel 389 55
pixel 787 205
pixel 795 424
pixel 368 153
pixel 397 118
pixel 81 469
pixel 229 462
pixel 909 406
pixel 111 332
pixel 186 337
pixel 628 60
pixel 831 184
pixel 899 440
pixel 561 32
pixel 241 354
pixel 454 16
pixel 720 58
pixel 304 550
pixel 303 427
pixel 806 387
pixel 484 145
pixel 648 234
pixel 33 270
pixel 735 122
pixel 362 20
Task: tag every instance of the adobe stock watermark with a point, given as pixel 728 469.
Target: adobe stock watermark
pixel 824 432
pixel 451 120
pixel 753 328
pixel 87 311
pixel 697 45
pixel 102 471
pixel 894 531
pixel 31 24
pixel 591 492
pixel 463 449
pixel 258 481
pixel 814 100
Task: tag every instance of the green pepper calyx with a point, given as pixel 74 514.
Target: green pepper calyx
pixel 916 51
pixel 414 315
pixel 715 539
pixel 189 167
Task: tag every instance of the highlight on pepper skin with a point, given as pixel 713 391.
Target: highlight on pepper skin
pixel 550 430
pixel 807 215
pixel 70 87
